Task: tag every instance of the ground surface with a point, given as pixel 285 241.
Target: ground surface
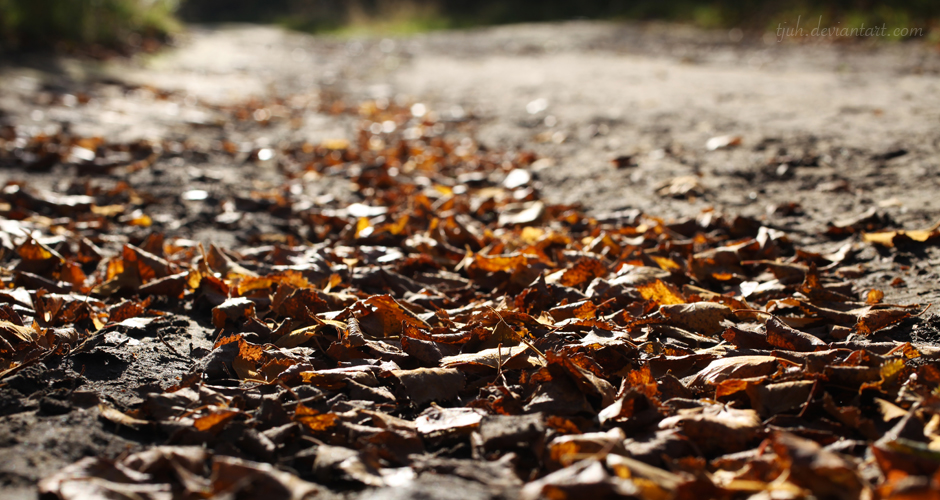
pixel 827 134
pixel 864 115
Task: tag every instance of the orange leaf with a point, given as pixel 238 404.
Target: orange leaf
pixel 314 420
pixel 248 360
pixel 232 310
pixel 585 270
pixel 660 293
pixel 214 422
pixel 877 319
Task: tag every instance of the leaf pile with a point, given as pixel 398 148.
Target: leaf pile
pixel 450 329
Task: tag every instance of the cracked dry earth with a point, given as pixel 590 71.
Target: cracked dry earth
pixel 536 260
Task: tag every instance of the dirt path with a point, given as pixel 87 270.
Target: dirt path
pixel 826 133
pixel 837 129
pixel 865 118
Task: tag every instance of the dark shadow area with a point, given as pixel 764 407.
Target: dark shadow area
pixel 331 14
pixel 94 28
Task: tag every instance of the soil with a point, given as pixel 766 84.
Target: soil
pixel 828 133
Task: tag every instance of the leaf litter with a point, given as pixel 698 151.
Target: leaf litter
pixel 451 329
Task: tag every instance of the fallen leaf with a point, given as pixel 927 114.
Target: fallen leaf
pixel 233 310
pixel 739 367
pixel 783 337
pixel 660 293
pixel 425 385
pixel 702 317
pixel 877 319
pixel 891 238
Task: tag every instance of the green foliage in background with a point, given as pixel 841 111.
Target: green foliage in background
pixel 403 16
pixel 28 23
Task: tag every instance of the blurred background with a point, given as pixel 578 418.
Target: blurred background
pixel 132 25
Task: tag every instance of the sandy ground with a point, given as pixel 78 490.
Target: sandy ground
pixel 599 91
pixel 579 94
pixel 839 129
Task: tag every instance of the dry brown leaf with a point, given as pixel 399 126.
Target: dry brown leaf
pixel 585 270
pixel 507 357
pixel 248 361
pixel 381 316
pixel 891 238
pixel 566 450
pixel 437 421
pixel 821 471
pixel 233 310
pixel 302 335
pixel 215 421
pixel 782 336
pixel 874 296
pixel 289 277
pixel 173 286
pixel 120 418
pixel 314 420
pixel 717 428
pixel 739 367
pixel 587 478
pixel 773 399
pixel 15 332
pixel 425 385
pixel 877 319
pixel 681 187
pixel 226 265
pixel 702 317
pixel 299 305
pixel 660 293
